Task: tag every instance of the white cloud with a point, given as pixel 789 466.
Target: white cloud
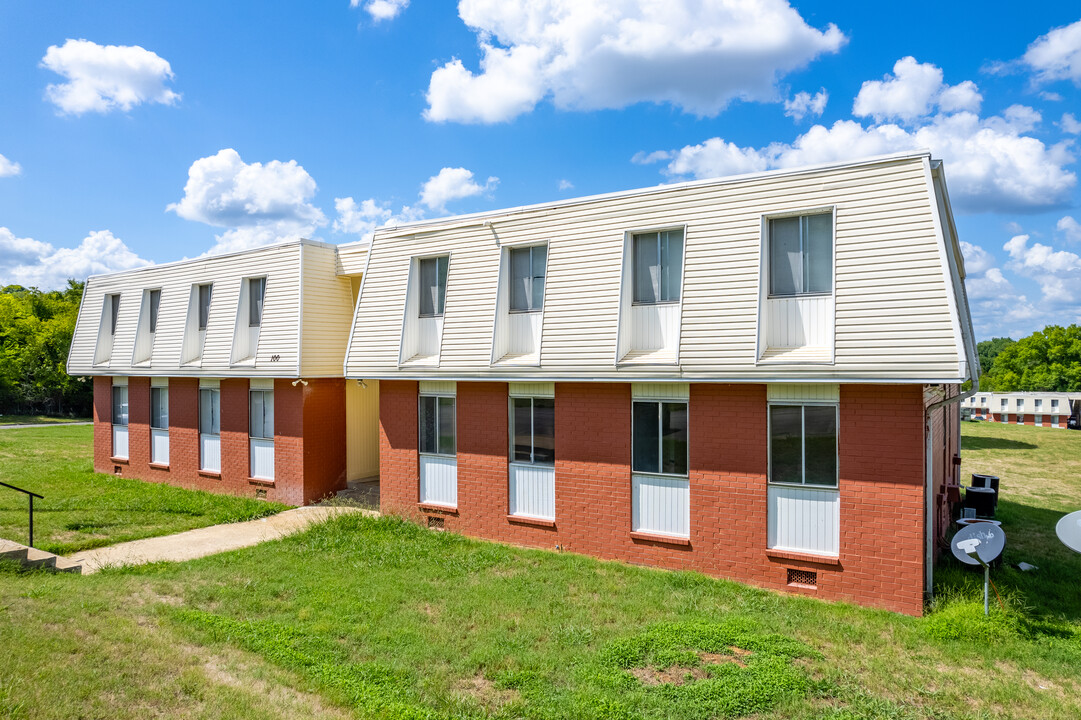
pixel 9 168
pixel 259 204
pixel 1050 96
pixel 1058 272
pixel 453 184
pixel 101 78
pixel 912 92
pixel 997 307
pixel 991 165
pixel 977 260
pixel 1056 55
pixel 803 104
pixel 1070 124
pixel 32 263
pixel 1069 228
pixel 613 53
pixel 565 184
pixel 381 9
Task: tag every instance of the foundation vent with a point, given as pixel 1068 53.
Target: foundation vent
pixel 260 493
pixel 435 523
pixel 802 578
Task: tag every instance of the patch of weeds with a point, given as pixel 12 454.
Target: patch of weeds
pixel 958 615
pixel 87 526
pixel 372 688
pixel 706 670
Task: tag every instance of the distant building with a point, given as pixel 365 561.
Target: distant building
pixel 1042 409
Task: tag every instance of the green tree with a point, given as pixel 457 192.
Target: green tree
pixel 1047 360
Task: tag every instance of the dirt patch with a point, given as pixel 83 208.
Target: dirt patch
pixel 486 693
pixel 717 658
pixel 292 702
pixel 681 674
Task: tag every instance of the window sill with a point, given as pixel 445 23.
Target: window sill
pixel 119 460
pixel 524 520
pixel 646 303
pixel 524 312
pixel 211 474
pixel 663 539
pixel 803 557
pixel 261 481
pixel 434 508
pixel 791 296
pixel 806 486
pixel 159 466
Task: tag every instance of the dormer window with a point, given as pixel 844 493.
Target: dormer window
pixel 801 255
pixel 658 266
pixel 256 293
pixel 114 312
pixel 527 269
pixel 155 301
pixel 432 285
pixel 205 293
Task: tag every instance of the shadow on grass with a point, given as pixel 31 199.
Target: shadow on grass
pixel 969 442
pixel 1050 593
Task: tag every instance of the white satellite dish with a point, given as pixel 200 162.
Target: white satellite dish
pixel 1069 531
pixel 980 544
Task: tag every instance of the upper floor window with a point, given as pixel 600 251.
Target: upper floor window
pixel 659 437
pixel 437 436
pixel 803 444
pixel 1020 403
pixel 433 285
pixel 155 302
pixel 800 254
pixel 205 293
pixel 657 266
pixel 1039 403
pixel 527 268
pixel 256 292
pixel 114 312
pixel 1054 404
pixel 532 428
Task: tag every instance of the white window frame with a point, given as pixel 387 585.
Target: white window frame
pixel 437 395
pixel 256 442
pixel 214 392
pixel 531 484
pixel 440 312
pixel 511 249
pixel 641 478
pixel 157 430
pixel 152 309
pixel 766 245
pixel 201 323
pixel 633 261
pixel 803 443
pixel 251 284
pixel 115 423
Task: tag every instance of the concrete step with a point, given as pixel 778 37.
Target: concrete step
pixel 32 557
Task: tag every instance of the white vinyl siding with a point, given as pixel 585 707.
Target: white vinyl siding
pixel 439 480
pixel 210 429
pixel 661 505
pixel 660 488
pixel 532 456
pixel 261 433
pixel 804 519
pixel 894 320
pixel 533 490
pixel 327 314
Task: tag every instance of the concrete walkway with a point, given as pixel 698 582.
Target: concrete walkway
pixel 41 425
pixel 208 540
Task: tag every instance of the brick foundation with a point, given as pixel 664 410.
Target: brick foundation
pixel 309 438
pixel 881 482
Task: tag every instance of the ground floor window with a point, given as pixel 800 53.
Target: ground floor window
pixel 438 449
pixel 531 480
pixel 261 433
pixel 660 488
pixel 210 429
pixel 120 421
pixel 159 425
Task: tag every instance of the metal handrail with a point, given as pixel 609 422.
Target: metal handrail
pixel 30 496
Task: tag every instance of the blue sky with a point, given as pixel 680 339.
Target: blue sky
pixel 138 132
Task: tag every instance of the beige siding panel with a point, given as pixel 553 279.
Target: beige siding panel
pixel 328 313
pixel 278 341
pixel 350 259
pixel 892 315
pixel 362 429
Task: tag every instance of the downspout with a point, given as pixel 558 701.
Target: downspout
pixel 928 489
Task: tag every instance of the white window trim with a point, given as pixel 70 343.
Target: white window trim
pixel 764 249
pixel 628 244
pixel 544 293
pixel 660 438
pixel 803 432
pixel 510 426
pixel 435 256
pixel 438 394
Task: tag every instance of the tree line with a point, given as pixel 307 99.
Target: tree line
pixel 35 334
pixel 1046 360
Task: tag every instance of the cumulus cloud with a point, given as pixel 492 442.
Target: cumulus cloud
pixel 997 306
pixel 992 164
pixel 803 104
pixel 101 78
pixel 258 203
pixel 362 219
pixel 381 9
pixel 1070 124
pixel 32 263
pixel 977 260
pixel 1069 228
pixel 913 91
pixel 1056 55
pixel 453 184
pixel 614 53
pixel 1058 272
pixel 9 168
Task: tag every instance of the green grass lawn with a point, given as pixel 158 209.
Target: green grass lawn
pixel 83 509
pixel 37 420
pixel 369 617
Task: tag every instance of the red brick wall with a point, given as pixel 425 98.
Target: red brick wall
pixel 881 468
pixel 305 469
